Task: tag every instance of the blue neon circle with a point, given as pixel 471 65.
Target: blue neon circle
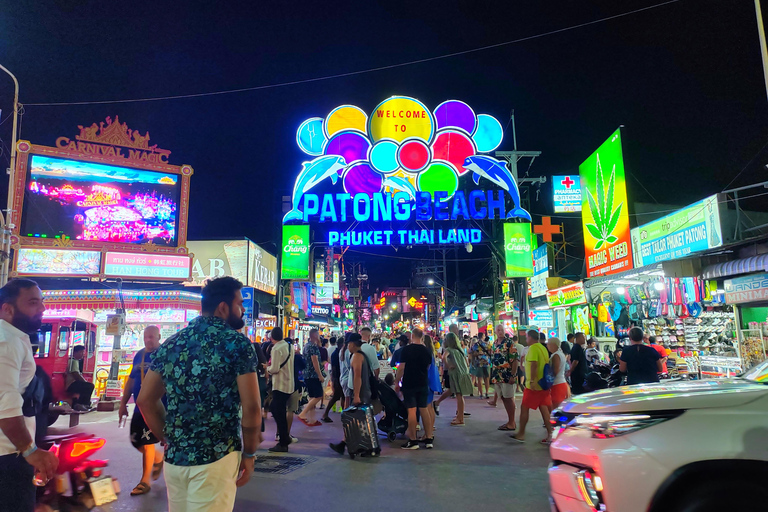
pixel 310 136
pixel 489 133
pixel 384 156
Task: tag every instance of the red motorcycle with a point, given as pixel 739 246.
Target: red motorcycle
pixel 79 483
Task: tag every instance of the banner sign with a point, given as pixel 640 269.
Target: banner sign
pixel 156 266
pixel 604 214
pixel 58 262
pixel 248 300
pixel 324 294
pixel 321 310
pixel 328 274
pixel 294 263
pixel 540 271
pixel 571 295
pixel 746 289
pixel 241 259
pixel 518 250
pixel 694 228
pixel 404 237
pixel 541 318
pixel 567 193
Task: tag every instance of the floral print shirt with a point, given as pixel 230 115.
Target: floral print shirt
pixel 481 354
pixel 199 366
pixel 504 355
pixel 310 349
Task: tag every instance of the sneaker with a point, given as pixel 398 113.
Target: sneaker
pixel 277 436
pixel 466 413
pixel 294 440
pixel 327 420
pixel 429 443
pixel 410 445
pixel 437 409
pixel 278 448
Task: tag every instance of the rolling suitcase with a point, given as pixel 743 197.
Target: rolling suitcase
pixel 360 433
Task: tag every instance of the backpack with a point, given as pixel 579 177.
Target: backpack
pixel 548 378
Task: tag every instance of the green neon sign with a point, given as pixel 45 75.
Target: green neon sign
pixel 518 249
pixel 294 263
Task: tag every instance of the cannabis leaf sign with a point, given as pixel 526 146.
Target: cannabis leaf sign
pixel 603 214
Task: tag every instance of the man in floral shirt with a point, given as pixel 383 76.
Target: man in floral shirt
pixel 505 361
pixel 481 360
pixel 207 370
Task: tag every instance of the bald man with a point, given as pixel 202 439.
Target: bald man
pixel 142 437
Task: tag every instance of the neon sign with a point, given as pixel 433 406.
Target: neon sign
pixel 403 162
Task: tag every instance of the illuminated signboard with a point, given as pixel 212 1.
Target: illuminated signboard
pixel 746 289
pixel 541 318
pixel 604 214
pixel 155 266
pixel 518 250
pixel 403 162
pixel 323 294
pixel 571 295
pixel 294 263
pixel 241 259
pixel 321 310
pixel 540 271
pixel 566 193
pixel 58 262
pixel 694 228
pixel 90 201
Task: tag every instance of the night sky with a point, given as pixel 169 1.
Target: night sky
pixel 685 79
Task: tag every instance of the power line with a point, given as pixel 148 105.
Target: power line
pixel 359 72
pixel 745 167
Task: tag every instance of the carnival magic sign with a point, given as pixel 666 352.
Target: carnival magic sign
pixel 403 162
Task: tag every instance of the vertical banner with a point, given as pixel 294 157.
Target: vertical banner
pixel 604 214
pixel 518 249
pixel 328 265
pixel 295 261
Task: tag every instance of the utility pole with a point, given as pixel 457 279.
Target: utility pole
pixel 5 220
pixel 763 47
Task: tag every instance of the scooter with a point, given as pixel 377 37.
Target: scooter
pixel 79 483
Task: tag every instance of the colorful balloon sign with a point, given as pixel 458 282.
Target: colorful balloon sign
pixel 401 147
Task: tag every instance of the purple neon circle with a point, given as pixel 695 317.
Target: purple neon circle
pixel 353 146
pixel 362 178
pixel 455 114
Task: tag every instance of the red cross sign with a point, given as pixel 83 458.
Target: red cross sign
pixel 567 182
pixel 546 229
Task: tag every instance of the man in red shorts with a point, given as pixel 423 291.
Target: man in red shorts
pixel 533 396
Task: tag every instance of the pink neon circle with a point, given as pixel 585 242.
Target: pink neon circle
pixel 414 155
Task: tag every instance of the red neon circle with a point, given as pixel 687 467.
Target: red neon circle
pixel 414 155
pixel 453 147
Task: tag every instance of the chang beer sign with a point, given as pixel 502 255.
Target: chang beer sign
pixel 294 263
pixel 604 214
pixel 518 250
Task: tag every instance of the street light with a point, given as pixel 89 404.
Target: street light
pixel 431 282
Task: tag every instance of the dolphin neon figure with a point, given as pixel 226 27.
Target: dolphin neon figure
pixel 400 183
pixel 311 174
pixel 496 172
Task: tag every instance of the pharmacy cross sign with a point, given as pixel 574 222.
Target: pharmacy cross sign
pixel 567 182
pixel 546 229
pixel 532 315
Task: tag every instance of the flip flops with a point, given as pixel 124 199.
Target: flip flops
pixel 141 488
pixel 506 428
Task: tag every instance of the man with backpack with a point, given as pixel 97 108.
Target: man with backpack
pixel 283 386
pixel 534 396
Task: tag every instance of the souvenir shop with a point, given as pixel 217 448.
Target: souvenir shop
pixel 570 310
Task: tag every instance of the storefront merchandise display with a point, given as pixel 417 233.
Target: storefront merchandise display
pixel 752 347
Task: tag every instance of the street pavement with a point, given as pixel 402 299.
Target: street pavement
pixel 472 469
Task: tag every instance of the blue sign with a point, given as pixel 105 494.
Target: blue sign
pixel 540 271
pixel 567 193
pixel 404 237
pixel 541 318
pixel 247 292
pixel 741 290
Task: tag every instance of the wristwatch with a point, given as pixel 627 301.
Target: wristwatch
pixel 30 450
pixel 249 455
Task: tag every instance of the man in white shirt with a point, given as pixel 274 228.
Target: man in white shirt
pixel 281 374
pixel 369 351
pixel 21 312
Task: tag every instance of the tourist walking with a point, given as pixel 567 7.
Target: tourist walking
pixel 281 375
pixel 21 312
pixel 338 392
pixel 560 390
pixel 413 376
pixel 578 368
pixel 458 376
pixel 208 371
pixel 142 437
pixel 313 378
pixel 505 361
pixel 434 382
pixel 534 397
pixel 481 359
pixel 641 363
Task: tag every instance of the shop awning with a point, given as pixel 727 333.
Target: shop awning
pixel 108 299
pixel 630 275
pixel 735 267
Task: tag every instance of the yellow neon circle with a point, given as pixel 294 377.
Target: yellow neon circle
pixel 400 118
pixel 347 117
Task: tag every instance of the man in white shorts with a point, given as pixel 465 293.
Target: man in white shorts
pixel 505 361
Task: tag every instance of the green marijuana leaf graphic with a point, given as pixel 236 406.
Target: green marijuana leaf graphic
pixel 605 217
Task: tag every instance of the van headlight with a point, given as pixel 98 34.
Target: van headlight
pixel 591 489
pixel 605 426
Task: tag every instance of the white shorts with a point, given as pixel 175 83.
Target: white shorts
pixel 505 390
pixel 205 488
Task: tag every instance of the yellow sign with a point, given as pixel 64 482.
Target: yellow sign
pixel 400 118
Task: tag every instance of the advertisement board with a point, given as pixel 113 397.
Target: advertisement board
pixel 604 212
pixel 518 249
pixel 566 192
pixel 74 199
pixel 324 294
pixel 540 271
pixel 541 318
pixel 746 289
pixel 154 266
pixel 241 259
pixel 294 263
pixel 694 228
pixel 57 262
pixel 571 295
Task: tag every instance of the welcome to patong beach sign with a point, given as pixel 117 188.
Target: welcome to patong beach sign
pixel 402 162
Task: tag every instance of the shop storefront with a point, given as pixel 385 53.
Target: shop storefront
pixel 749 295
pixel 569 308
